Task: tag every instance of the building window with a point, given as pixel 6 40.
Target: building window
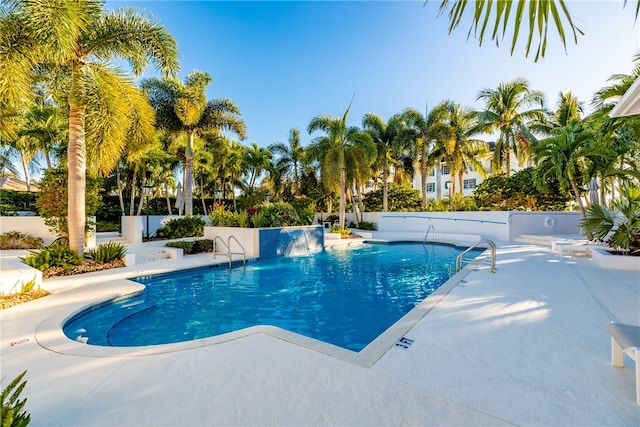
pixel 432 172
pixel 444 170
pixel 431 187
pixel 469 184
pixel 470 168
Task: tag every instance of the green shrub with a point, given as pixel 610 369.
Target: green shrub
pixel 363 225
pixel 188 226
pixel 220 217
pixel 195 247
pixel 102 226
pixel 108 252
pixel 399 199
pixel 341 231
pixel 279 214
pixel 259 219
pixel 27 287
pixel 53 256
pixel 12 411
pixel 18 240
pixel 202 246
pixel 182 244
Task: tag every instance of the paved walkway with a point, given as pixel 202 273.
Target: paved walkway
pixel 524 346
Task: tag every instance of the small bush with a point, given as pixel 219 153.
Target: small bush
pixel 363 225
pixel 221 217
pixel 102 226
pixel 184 245
pixel 279 214
pixel 341 231
pixel 53 256
pixel 27 287
pixel 195 247
pixel 188 226
pixel 12 411
pixel 108 252
pixel 202 246
pixel 18 240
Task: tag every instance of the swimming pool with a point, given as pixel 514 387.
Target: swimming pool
pixel 346 297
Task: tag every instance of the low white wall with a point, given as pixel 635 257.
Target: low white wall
pixel 33 225
pixel 544 223
pixel 496 225
pixel 248 238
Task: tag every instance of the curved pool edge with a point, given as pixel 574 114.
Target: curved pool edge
pixel 50 336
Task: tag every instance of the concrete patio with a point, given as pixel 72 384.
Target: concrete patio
pixel 523 346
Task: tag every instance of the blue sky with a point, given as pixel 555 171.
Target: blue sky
pixel 285 62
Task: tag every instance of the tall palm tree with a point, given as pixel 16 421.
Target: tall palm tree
pixel 459 148
pixel 509 109
pixel 182 108
pixel 339 146
pixel 391 141
pixel 565 156
pixel 74 41
pixel 291 157
pixel 428 130
pixel 257 160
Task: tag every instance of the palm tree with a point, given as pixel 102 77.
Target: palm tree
pixel 565 157
pixel 74 41
pixel 339 146
pixel 291 158
pixel 509 109
pixel 458 147
pixel 392 140
pixel 182 108
pixel 257 160
pixel 540 13
pixel 428 130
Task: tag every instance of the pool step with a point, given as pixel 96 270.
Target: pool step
pixel 145 255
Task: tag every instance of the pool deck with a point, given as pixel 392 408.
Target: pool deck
pixel 523 346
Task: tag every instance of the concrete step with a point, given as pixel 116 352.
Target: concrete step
pixel 141 256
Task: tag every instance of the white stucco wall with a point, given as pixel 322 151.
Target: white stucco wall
pixel 33 225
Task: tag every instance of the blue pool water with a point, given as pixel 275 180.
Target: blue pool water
pixel 346 297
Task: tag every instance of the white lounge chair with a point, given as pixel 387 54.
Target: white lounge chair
pixel 626 339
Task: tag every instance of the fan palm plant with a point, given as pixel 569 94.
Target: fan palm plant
pixel 619 224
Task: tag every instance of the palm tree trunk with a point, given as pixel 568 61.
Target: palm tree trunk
pixel 576 193
pixel 204 208
pixel 423 173
pixel 132 200
pixel 507 160
pixel 166 195
pixel 77 166
pixel 341 212
pixel 385 185
pixel 25 167
pixel 188 176
pixel 119 185
pixel 296 179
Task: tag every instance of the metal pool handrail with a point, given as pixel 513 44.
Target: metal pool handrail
pixel 223 244
pixel 460 259
pixel 433 234
pixel 243 253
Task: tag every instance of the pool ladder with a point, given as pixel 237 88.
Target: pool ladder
pixel 227 245
pixel 433 234
pixel 460 260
